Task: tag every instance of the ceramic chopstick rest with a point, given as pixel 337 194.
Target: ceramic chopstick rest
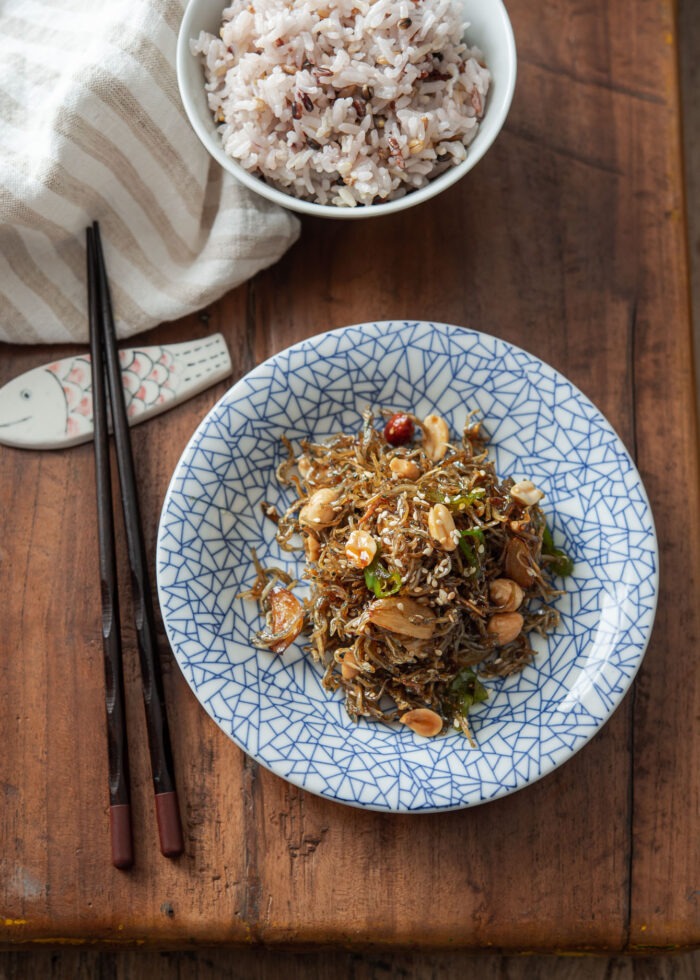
pixel 50 407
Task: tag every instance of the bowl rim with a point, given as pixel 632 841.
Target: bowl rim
pixel 213 145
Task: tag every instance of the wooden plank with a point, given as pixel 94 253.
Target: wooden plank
pixel 688 37
pixel 566 239
pixel 665 908
pixel 262 964
pixel 488 892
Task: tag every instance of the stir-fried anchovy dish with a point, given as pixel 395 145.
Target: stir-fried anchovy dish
pixel 428 572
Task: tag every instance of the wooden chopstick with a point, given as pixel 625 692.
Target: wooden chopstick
pixel 117 747
pixel 167 808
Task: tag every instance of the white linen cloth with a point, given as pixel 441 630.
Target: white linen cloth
pixel 92 127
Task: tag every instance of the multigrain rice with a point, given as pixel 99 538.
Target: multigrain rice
pixel 344 102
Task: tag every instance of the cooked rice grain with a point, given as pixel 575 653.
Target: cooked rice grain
pixel 344 102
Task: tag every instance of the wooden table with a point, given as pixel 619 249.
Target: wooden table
pixel 567 239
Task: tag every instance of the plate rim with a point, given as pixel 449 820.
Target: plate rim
pixel 507 346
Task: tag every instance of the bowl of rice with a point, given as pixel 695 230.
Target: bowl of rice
pixel 347 108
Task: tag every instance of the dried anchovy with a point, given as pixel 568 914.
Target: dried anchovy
pixel 396 673
pixel 265 580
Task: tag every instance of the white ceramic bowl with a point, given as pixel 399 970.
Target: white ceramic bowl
pixel 490 30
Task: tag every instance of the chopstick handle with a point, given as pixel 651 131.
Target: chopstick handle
pixel 169 826
pixel 168 814
pixel 117 746
pixel 122 837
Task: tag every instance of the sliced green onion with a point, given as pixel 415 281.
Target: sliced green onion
pixel 471 542
pixel 559 562
pixel 463 500
pixel 380 580
pixel 466 690
pixel 457 501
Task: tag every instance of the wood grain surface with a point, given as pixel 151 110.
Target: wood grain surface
pixel 567 239
pixel 262 964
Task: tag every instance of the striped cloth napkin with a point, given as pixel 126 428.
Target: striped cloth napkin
pixel 92 127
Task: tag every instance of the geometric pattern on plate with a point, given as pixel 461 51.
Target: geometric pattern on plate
pixel 540 427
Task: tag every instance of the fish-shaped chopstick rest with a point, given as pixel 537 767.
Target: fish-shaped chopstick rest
pixel 51 407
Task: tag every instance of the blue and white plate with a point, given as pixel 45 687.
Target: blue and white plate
pixel 541 427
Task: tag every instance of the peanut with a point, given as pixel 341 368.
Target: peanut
pixel 441 527
pixel 318 511
pixel 360 548
pixel 423 721
pixel 505 627
pixel 436 436
pixel 526 493
pixel 506 594
pixel 404 467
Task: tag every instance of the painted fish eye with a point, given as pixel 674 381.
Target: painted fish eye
pixel 25 393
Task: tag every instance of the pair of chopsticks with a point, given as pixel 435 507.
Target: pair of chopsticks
pixel 106 377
